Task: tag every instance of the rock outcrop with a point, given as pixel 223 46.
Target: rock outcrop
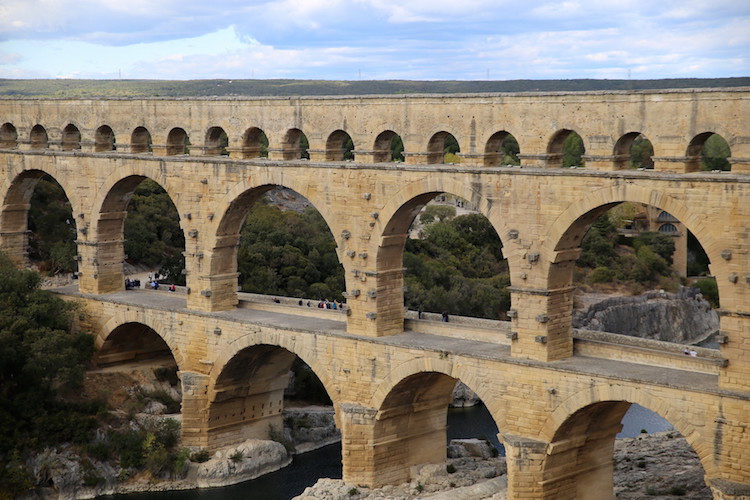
pixel 683 317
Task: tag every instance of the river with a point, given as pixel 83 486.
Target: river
pixel 305 469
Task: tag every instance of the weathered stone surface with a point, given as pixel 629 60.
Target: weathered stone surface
pixel 463 396
pixel 251 459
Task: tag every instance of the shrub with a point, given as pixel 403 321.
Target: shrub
pixel 450 468
pixel 602 274
pixel 353 491
pixel 709 290
pixel 237 456
pixel 200 456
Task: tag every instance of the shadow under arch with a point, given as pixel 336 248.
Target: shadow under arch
pixel 582 431
pixel 132 319
pixel 131 342
pixel 14 217
pixel 246 394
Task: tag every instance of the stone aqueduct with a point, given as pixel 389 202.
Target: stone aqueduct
pixel 557 395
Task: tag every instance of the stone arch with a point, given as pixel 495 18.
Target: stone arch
pixel 294 145
pixel 177 142
pixel 623 151
pixel 131 341
pixel 155 324
pixel 696 149
pixel 581 432
pixel 436 147
pixel 555 147
pixel 233 209
pixel 410 423
pixel 140 140
pixel 14 237
pixel 104 139
pixel 38 137
pixel 254 143
pixel 493 150
pixel 668 228
pixel 71 138
pixel 8 136
pixel 339 146
pixel 383 148
pixel 245 394
pixel 217 142
pixel 108 224
pixel 567 231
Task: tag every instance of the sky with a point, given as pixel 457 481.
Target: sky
pixel 374 39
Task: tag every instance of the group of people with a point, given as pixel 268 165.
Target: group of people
pixel 324 304
pixel 152 283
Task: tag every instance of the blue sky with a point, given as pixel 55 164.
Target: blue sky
pixel 374 39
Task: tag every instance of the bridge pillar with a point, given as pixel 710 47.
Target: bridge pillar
pixel 14 238
pixel 736 328
pixel 357 438
pixel 101 269
pixel 724 489
pixel 194 409
pixel 740 165
pixel 607 162
pixel 524 459
pixel 542 160
pixel 541 322
pixel 216 292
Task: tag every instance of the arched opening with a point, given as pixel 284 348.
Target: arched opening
pixel 140 141
pixel 266 392
pixel 38 138
pixel 412 428
pixel 104 140
pixel 133 343
pixel 139 235
pixel 630 277
pixel 254 144
pixel 501 149
pixel 443 148
pixel 71 138
pixel 295 145
pixel 452 258
pixel 586 462
pixel 52 229
pixel 565 150
pixel 38 224
pixel 285 248
pixel 709 152
pixel 217 142
pixel 177 142
pixel 388 147
pixel 634 150
pixel 339 146
pixel 8 136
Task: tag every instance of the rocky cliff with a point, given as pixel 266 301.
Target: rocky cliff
pixel 683 317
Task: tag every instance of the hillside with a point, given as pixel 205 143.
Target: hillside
pixel 202 88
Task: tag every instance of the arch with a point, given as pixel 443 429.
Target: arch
pixel 339 146
pixel 633 150
pixel 582 430
pixel 294 145
pixel 140 140
pixel 153 324
pixel 177 142
pixel 225 246
pixel 217 142
pixel 254 143
pixel 410 423
pixel 440 144
pixel 104 139
pixel 388 147
pixel 708 151
pixel 38 137
pixel 71 138
pixel 8 136
pixel 14 217
pixel 565 149
pixel 246 395
pixel 109 227
pixel 668 228
pixel 501 147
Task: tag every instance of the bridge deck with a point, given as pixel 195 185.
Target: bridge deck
pixel 294 321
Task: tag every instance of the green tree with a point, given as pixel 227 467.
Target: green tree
pixel 572 151
pixel 52 227
pixel 641 153
pixel 39 359
pixel 715 153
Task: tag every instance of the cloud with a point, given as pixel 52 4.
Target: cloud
pixel 338 39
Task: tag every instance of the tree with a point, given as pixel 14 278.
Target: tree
pixel 39 359
pixel 572 150
pixel 715 153
pixel 641 153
